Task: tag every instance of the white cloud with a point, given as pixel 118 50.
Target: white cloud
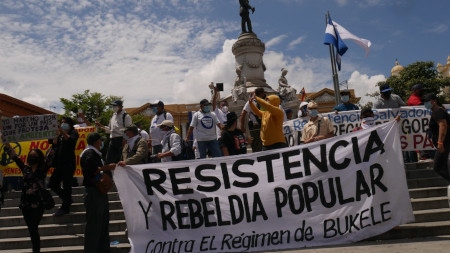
pixel 364 84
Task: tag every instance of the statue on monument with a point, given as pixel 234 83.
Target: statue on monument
pixel 239 91
pixel 287 92
pixel 245 15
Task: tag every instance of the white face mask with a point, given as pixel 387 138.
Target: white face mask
pixel 367 122
pixel 224 109
pixel 115 108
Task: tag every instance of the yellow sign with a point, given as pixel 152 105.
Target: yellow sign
pixel 10 169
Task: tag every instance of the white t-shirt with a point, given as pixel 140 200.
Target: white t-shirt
pixel 157 134
pixel 205 125
pixel 251 116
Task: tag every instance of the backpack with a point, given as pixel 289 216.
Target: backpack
pixel 187 153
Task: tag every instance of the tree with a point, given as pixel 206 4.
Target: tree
pixel 424 73
pixel 94 105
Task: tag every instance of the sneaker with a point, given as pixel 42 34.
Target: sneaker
pixel 60 212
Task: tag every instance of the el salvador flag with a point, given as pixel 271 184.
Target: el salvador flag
pixel 332 37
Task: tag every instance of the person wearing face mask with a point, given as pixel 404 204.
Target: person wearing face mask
pixel 64 163
pixel 171 142
pixel 116 127
pixel 272 118
pixel 302 110
pixel 135 151
pixel 204 122
pixel 232 141
pixel 156 134
pixel 387 99
pixel 318 127
pixel 96 235
pixel 346 105
pixel 367 119
pixel 439 133
pixel 34 172
pixel 254 122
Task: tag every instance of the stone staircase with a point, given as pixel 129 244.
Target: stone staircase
pixel 427 190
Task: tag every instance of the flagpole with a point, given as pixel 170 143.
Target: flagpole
pixel 333 68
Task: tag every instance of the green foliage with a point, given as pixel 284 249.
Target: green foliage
pixel 424 73
pixel 94 105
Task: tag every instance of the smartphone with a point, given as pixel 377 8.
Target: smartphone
pixel 219 86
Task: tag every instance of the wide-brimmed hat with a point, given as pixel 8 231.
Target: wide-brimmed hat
pixel 312 105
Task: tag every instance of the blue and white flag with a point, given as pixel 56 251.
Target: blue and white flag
pixel 332 37
pixel 346 35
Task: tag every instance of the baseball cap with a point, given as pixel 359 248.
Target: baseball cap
pixel 205 102
pixel 366 110
pixel 345 92
pixel 93 137
pixel 417 87
pixel 231 118
pixel 133 128
pixel 157 103
pixel 428 97
pixel 117 103
pixel 385 88
pixel 166 122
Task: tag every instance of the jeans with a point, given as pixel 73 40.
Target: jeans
pixel 212 146
pixel 96 235
pixel 64 175
pixel 441 163
pixel 114 150
pixel 32 217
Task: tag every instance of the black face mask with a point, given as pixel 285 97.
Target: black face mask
pixel 387 94
pixel 32 160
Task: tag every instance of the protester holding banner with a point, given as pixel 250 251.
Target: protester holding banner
pixel 34 172
pixel 367 119
pixel 171 142
pixel 96 235
pixel 318 127
pixel 346 105
pixel 272 118
pixel 387 99
pixel 232 140
pixel 439 132
pixel 135 151
pixel 302 110
pixel 64 164
pixel 117 124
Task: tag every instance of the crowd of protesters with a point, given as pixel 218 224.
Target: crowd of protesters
pixel 214 129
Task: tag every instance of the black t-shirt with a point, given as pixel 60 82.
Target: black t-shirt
pixel 436 116
pixel 234 141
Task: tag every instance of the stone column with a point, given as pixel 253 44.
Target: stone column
pixel 248 51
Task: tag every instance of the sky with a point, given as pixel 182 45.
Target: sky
pixel 144 50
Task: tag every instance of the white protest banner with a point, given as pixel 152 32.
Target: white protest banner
pixel 340 190
pixel 413 125
pixel 28 128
